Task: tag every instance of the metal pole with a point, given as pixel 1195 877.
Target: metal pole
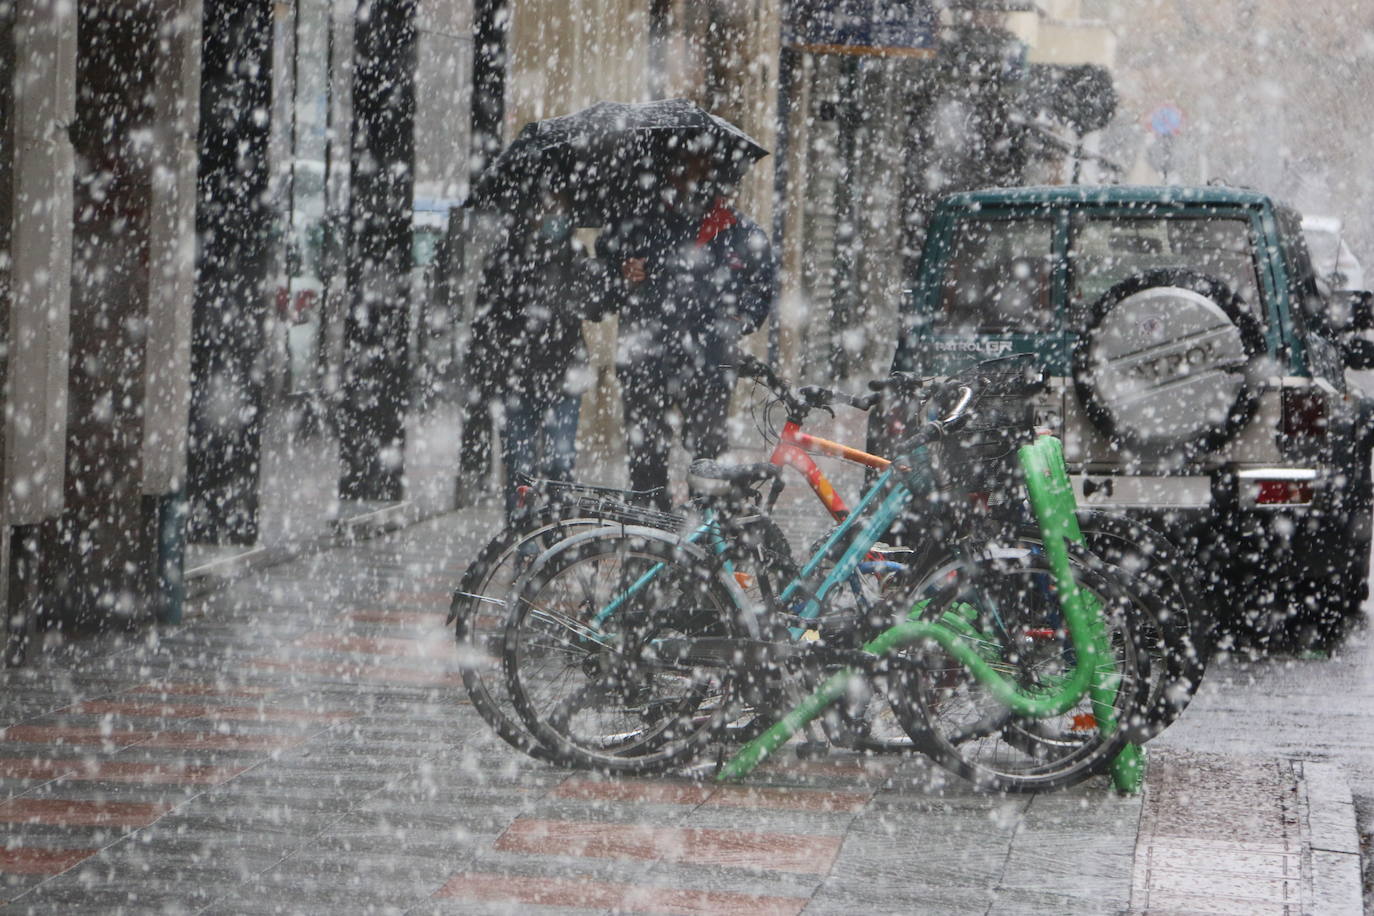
pixel 234 225
pixel 171 557
pixel 843 294
pixel 787 66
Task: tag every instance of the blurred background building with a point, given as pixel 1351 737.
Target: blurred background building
pixel 235 280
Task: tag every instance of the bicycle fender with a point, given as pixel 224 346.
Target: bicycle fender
pixel 531 529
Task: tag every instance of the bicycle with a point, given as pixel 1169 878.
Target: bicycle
pixel 994 690
pixel 550 511
pixel 630 668
pixel 1177 634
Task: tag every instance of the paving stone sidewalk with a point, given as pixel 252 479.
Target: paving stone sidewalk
pixel 303 744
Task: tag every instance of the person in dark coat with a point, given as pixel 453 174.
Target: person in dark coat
pixel 695 275
pixel 527 354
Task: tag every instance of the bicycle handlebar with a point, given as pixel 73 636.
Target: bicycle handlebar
pixel 905 382
pixel 816 396
pixel 960 411
pixel 750 366
pixel 800 400
pixel 936 429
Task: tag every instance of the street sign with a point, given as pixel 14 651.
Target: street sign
pixel 860 26
pixel 1166 120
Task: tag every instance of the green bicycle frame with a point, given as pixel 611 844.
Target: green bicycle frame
pixel 1094 673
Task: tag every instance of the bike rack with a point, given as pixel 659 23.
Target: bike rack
pixel 1051 497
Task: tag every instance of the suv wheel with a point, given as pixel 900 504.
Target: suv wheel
pixel 1301 611
pixel 1281 602
pixel 1164 364
pixel 1336 575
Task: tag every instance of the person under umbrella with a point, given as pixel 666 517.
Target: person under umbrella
pixel 695 276
pixel 527 353
pixel 688 273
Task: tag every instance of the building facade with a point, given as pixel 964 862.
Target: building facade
pixel 207 210
pixel 217 211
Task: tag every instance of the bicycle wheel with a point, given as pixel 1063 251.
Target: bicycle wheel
pixel 586 658
pixel 1006 608
pixel 1169 622
pixel 478 610
pixel 1169 619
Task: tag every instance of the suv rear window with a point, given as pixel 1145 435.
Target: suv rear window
pixel 1106 249
pixel 998 277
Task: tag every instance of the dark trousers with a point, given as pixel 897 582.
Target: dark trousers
pixel 538 439
pixel 474 457
pixel 655 400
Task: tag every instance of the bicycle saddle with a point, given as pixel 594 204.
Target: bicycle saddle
pixel 719 479
pixel 738 474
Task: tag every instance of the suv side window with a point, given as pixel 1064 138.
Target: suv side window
pixel 998 277
pixel 1107 248
pixel 1308 308
pixel 1303 290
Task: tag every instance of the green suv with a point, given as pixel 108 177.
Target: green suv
pixel 1198 377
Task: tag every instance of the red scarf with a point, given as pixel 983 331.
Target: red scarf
pixel 717 220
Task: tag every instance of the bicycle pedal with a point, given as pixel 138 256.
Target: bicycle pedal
pixel 721 756
pixel 705 770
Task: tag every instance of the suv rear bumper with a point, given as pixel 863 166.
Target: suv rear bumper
pixel 1289 523
pixel 1121 493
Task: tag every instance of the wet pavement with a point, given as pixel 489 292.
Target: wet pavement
pixel 1316 710
pixel 302 743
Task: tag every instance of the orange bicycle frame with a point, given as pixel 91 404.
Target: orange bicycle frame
pixel 793 450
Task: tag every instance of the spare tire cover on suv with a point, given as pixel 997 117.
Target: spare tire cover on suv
pixel 1162 366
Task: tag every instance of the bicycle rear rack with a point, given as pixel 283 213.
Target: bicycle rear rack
pixel 628 507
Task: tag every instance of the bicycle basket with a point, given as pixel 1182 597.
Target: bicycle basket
pixel 980 456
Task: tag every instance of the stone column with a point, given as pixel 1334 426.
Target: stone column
pixel 233 222
pixel 443 136
pixel 102 553
pixel 376 364
pixel 13 633
pixel 171 260
pixel 38 99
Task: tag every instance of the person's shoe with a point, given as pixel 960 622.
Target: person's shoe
pixel 467 488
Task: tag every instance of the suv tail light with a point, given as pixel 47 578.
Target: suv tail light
pixel 1277 486
pixel 1304 413
pixel 1282 492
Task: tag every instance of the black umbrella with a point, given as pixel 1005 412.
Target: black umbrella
pixel 610 157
